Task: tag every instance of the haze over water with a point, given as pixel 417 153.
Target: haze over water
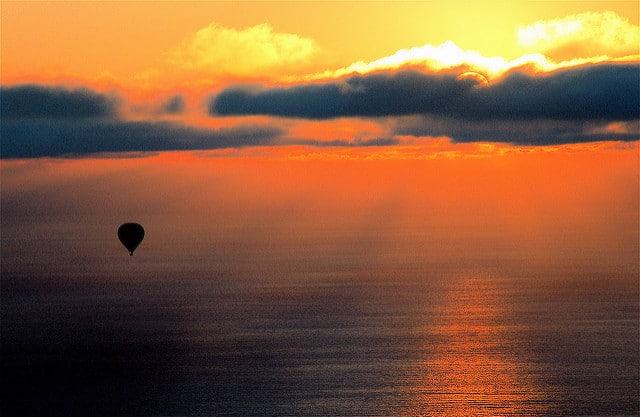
pixel 341 292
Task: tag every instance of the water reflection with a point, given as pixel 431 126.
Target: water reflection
pixel 478 366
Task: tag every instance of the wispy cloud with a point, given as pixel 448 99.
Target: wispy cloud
pixel 174 105
pixel 357 143
pixel 520 132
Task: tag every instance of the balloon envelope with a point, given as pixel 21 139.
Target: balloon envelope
pixel 131 234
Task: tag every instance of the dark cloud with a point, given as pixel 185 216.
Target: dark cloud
pixel 527 132
pixel 342 142
pixel 41 138
pixel 600 92
pixel 34 101
pixel 597 92
pixel 406 92
pixel 40 121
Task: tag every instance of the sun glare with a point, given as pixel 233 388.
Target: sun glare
pixel 546 46
pixel 449 56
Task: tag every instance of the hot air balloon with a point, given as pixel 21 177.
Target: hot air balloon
pixel 131 234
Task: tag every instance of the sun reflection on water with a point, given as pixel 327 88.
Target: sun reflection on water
pixel 478 367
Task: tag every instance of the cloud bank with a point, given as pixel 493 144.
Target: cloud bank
pixel 32 139
pixel 32 101
pixel 40 121
pixel 603 92
pixel 43 121
pixel 572 105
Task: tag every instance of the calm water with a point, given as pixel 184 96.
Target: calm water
pixel 329 324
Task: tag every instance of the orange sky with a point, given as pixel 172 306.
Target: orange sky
pixel 131 41
pixel 139 57
pixel 563 210
pixel 324 142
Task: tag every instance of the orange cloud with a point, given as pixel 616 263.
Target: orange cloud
pixel 218 50
pixel 588 34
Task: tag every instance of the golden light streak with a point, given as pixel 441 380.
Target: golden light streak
pixel 475 370
pixel 449 56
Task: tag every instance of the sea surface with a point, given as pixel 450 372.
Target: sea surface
pixel 259 321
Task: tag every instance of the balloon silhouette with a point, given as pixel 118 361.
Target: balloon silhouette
pixel 130 234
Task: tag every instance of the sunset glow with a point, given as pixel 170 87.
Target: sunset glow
pixel 350 208
pixel 209 79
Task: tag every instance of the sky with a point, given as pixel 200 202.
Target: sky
pixel 204 76
pixel 298 167
pixel 233 240
pixel 257 108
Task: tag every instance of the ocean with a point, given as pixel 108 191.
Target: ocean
pixel 324 319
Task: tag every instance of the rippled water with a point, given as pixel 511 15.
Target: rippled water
pixel 316 333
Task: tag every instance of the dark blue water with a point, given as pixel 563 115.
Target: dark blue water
pixel 266 326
